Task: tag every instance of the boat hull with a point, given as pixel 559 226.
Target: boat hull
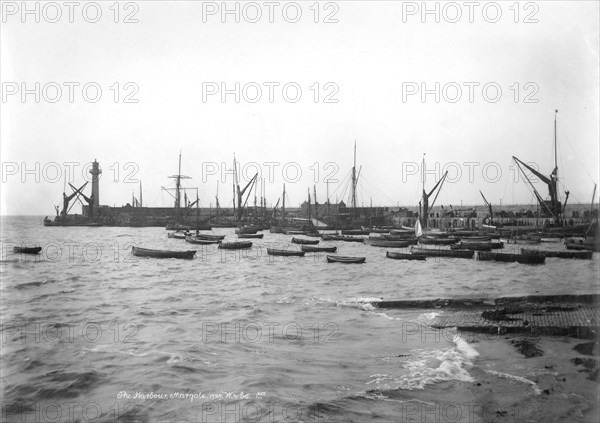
pixel 240 245
pixel 27 250
pixel 404 256
pixel 312 249
pixel 146 252
pixel 346 259
pixel 284 253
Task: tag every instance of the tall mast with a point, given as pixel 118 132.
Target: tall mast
pixel 234 185
pixel 328 202
pixel 316 204
pixel 178 179
pixel 309 216
pixel 283 205
pixel 555 152
pixel 141 203
pixel 354 181
pixel 593 197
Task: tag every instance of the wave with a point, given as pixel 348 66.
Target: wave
pixel 429 367
pixel 521 379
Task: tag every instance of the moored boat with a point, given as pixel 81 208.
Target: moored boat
pixel 210 237
pixel 404 256
pixel 355 232
pixel 313 249
pixel 251 236
pixel 346 238
pixel 200 241
pixel 388 243
pixel 305 241
pixel 246 230
pixel 472 246
pixel 27 250
pixel 177 235
pixel 235 245
pixel 583 255
pixel 285 253
pixel 438 252
pixel 437 241
pixel 146 252
pixel 510 258
pixel 346 259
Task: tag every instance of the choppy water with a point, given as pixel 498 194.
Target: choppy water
pixel 90 333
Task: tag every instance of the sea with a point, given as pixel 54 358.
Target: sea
pixel 91 333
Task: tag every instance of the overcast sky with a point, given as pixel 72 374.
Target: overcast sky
pixel 361 69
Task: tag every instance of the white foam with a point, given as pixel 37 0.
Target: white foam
pixel 516 378
pixel 431 366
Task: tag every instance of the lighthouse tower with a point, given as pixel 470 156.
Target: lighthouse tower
pixel 96 171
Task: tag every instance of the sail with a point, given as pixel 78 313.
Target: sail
pixel 318 223
pixel 418 230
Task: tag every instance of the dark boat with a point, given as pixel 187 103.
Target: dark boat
pixel 210 237
pixel 413 239
pixel 235 245
pixel 404 256
pixel 388 243
pixel 436 252
pixel 355 232
pixel 285 253
pixel 472 246
pixel 246 230
pixel 177 227
pixel 510 258
pixel 346 259
pixel 305 241
pixel 578 246
pixel 402 232
pixel 27 250
pixel 312 249
pixel 254 236
pixel 146 252
pixel 583 255
pixel 479 246
pixel 196 240
pixel 346 238
pixel 437 241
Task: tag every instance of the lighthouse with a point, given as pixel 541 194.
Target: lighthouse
pixel 96 171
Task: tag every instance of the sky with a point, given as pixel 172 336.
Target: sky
pixel 289 88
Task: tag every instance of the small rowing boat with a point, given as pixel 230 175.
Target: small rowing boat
pixel 254 236
pixel 210 237
pixel 437 241
pixel 285 253
pixel 146 252
pixel 388 243
pixel 235 245
pixel 305 241
pixel 510 258
pixel 346 259
pixel 27 250
pixel 177 235
pixel 404 256
pixel 345 238
pixel 583 255
pixel 195 240
pixel 313 249
pixel 437 252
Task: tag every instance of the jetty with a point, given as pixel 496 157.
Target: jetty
pixel 565 315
